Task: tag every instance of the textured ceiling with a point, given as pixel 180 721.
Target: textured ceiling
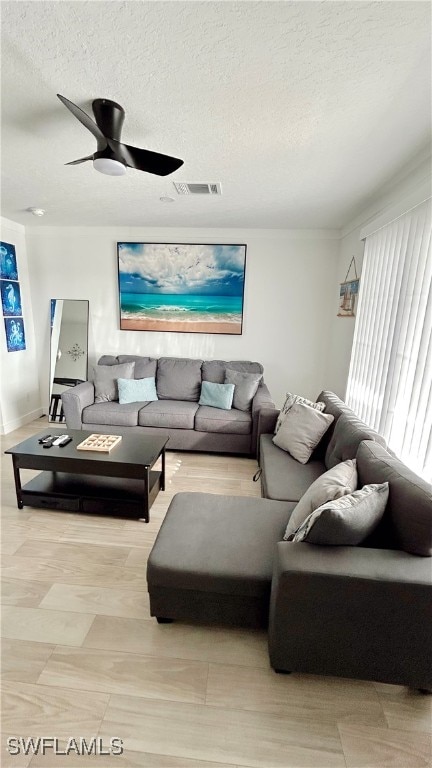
pixel 300 109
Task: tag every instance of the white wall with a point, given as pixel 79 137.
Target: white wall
pixel 411 186
pixel 20 396
pixel 291 298
pixel 290 281
pixel 342 328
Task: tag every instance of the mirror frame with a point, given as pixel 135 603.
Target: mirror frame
pixel 54 407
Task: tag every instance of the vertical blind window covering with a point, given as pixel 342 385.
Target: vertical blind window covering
pixel 390 376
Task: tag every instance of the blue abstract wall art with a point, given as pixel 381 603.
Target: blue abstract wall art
pixel 15 336
pixel 11 299
pixel 8 263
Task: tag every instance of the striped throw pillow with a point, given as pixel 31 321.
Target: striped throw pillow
pixel 289 402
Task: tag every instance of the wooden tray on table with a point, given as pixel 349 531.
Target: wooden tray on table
pixel 100 443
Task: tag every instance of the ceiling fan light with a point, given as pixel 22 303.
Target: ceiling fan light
pixel 109 166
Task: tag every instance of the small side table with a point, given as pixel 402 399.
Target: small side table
pixel 56 407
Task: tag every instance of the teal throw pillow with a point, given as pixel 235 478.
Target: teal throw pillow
pixel 136 390
pixel 217 395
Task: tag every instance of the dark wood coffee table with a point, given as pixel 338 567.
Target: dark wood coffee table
pixel 118 483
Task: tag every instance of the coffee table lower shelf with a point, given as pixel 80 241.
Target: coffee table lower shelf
pixel 92 494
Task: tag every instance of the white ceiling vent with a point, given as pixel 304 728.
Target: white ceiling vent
pixel 186 188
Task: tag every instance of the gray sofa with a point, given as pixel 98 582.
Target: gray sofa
pixel 190 426
pixel 363 612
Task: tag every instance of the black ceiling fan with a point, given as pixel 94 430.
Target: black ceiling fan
pixel 112 156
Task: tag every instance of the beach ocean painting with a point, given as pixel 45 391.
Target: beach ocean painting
pixel 186 288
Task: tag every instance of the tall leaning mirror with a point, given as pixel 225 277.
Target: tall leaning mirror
pixel 69 350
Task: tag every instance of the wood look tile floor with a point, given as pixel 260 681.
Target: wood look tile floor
pixel 81 656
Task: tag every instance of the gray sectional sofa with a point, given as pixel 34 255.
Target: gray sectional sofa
pixel 283 478
pixel 190 426
pixel 363 612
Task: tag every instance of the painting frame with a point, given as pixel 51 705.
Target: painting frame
pixel 348 294
pixel 8 261
pixel 181 287
pixel 15 334
pixel 11 298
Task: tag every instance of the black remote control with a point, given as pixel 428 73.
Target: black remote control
pixel 65 441
pixel 44 438
pixel 48 443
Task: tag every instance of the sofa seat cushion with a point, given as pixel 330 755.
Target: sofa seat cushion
pixel 231 422
pixel 112 414
pixel 175 414
pixel 178 378
pixel 218 544
pixel 284 478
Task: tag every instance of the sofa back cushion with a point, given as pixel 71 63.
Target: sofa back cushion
pixel 178 378
pixel 214 370
pixel 335 407
pixel 333 404
pixel 108 360
pixel 347 436
pixel 407 523
pixel 145 367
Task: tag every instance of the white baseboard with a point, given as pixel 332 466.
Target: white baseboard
pixel 9 426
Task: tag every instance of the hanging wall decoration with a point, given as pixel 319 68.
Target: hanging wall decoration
pixel 76 352
pixel 11 299
pixel 15 337
pixel 348 293
pixel 181 287
pixel 8 263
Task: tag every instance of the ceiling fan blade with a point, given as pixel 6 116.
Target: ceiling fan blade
pixel 81 160
pixel 109 117
pixel 144 159
pixel 86 121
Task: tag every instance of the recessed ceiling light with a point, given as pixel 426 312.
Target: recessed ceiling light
pixel 166 199
pixel 37 211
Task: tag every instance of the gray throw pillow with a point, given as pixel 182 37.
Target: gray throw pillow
pixel 246 385
pixel 347 521
pixel 105 380
pixel 288 404
pixel 338 481
pixel 301 431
